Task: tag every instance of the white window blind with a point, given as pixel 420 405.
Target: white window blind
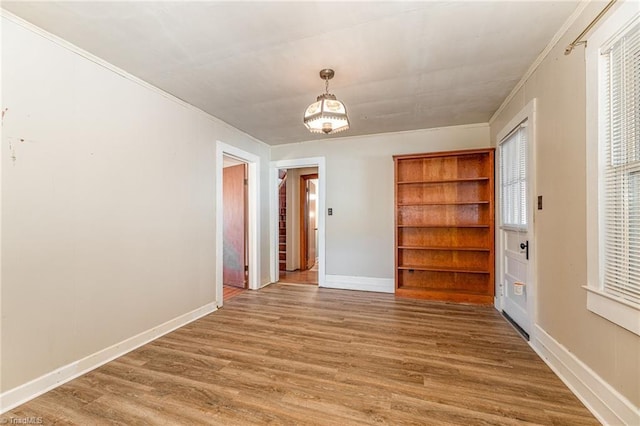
pixel 621 168
pixel 513 178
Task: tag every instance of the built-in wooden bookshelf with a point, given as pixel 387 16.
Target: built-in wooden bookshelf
pixel 444 205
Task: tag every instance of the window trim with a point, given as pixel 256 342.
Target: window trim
pixel 614 309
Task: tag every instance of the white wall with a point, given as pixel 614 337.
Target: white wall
pixel 359 234
pixel 108 208
pixel 594 348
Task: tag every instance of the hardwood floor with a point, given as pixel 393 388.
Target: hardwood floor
pixel 309 276
pixel 229 291
pixel 291 354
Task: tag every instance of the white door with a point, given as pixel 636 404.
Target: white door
pixel 515 228
pixel 311 224
pixel 515 282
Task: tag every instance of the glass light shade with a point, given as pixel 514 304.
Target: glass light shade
pixel 327 115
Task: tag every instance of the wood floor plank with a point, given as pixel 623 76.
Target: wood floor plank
pixel 292 355
pixel 229 291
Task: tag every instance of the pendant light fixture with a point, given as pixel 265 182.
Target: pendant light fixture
pixel 327 115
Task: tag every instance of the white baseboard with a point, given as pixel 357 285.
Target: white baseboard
pixel 346 282
pixel 606 404
pixel 23 393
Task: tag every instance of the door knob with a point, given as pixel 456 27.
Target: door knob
pixel 525 246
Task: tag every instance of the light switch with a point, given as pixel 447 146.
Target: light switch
pixel 330 211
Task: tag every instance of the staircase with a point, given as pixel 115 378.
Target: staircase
pixel 282 221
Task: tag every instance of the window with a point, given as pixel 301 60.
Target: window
pixel 613 154
pixel 513 175
pixel 634 229
pixel 620 124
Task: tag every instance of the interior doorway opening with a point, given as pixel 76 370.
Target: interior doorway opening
pixel 274 180
pixel 298 191
pixel 251 220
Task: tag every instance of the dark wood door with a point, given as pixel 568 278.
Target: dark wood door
pixel 234 223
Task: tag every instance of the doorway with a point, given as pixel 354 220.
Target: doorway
pixel 297 226
pixel 252 207
pixel 235 270
pixel 298 242
pixel 516 244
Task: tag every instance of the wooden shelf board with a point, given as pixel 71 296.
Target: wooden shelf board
pixel 441 290
pixel 458 180
pixel 443 269
pixel 445 248
pixel 444 295
pixel 457 153
pixel 443 203
pixel 444 226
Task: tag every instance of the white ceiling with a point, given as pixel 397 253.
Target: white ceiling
pixel 399 65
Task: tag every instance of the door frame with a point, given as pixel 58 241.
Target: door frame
pixel 304 237
pixel 253 219
pixel 527 113
pixel 298 163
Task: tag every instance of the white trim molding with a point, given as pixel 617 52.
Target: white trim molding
pixel 26 392
pixel 346 282
pixel 614 309
pixel 607 404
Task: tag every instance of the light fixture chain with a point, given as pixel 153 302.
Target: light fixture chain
pixel 326 86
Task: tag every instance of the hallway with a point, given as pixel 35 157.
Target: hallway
pixel 309 276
